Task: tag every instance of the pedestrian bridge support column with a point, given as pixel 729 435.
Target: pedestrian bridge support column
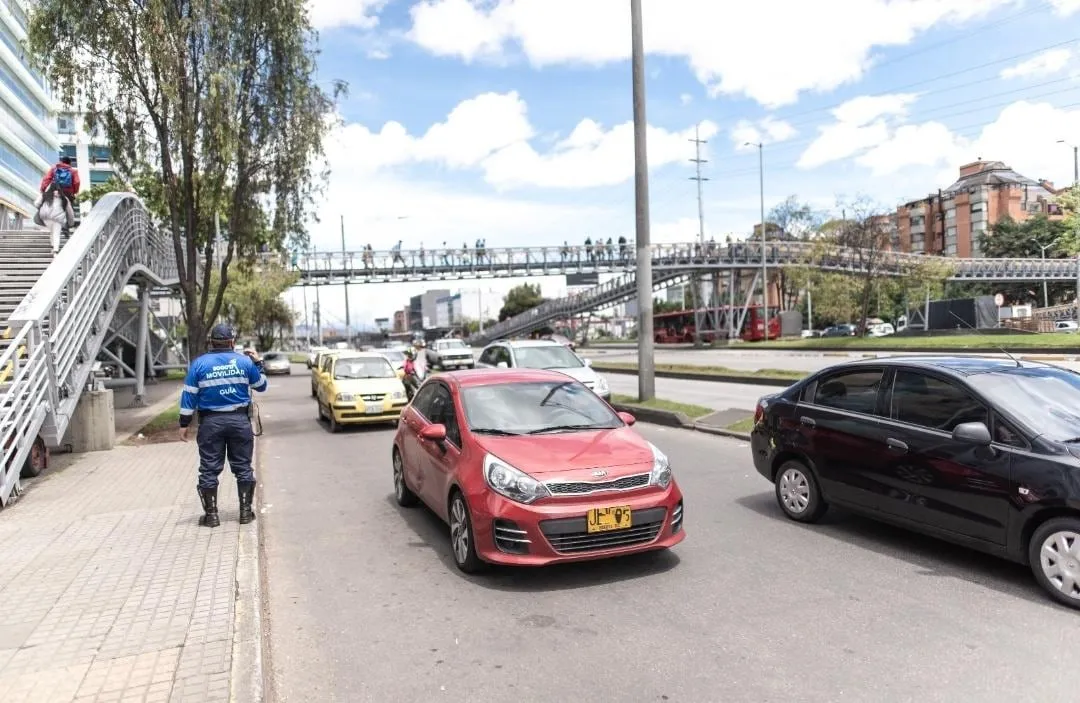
pixel 142 346
pixel 93 425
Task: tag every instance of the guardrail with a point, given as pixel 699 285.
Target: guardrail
pixel 64 318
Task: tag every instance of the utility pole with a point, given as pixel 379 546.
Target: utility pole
pixel 1076 219
pixel 345 268
pixel 307 328
pixel 646 362
pixel 696 281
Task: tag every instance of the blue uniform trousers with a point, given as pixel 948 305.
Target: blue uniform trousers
pixel 225 436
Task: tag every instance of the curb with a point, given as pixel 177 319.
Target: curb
pixel 246 675
pixel 668 418
pixel 715 378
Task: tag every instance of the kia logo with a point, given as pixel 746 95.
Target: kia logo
pixel 599 474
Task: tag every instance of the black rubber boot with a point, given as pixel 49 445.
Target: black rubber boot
pixel 208 496
pixel 246 491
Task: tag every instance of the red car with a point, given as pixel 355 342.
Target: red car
pixel 530 467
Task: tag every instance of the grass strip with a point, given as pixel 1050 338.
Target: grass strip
pixel 785 374
pixel 688 409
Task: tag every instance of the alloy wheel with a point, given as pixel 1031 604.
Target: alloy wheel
pixel 794 491
pixel 399 477
pixel 459 531
pixel 1059 557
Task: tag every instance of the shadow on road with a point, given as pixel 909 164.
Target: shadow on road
pixel 934 557
pixel 434 534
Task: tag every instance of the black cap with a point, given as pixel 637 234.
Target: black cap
pixel 222 333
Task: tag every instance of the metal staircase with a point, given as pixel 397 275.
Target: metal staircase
pixel 24 256
pixel 55 332
pixel 605 295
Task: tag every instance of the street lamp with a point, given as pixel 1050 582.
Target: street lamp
pixel 764 266
pixel 1076 162
pixel 646 369
pixel 1044 247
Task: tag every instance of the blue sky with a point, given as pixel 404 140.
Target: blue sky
pixel 509 119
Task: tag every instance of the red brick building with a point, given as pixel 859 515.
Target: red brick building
pixel 951 221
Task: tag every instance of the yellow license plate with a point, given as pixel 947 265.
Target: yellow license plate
pixel 618 517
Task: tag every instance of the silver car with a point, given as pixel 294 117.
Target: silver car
pixel 543 354
pixel 276 363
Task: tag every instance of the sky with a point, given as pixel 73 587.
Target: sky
pixel 511 120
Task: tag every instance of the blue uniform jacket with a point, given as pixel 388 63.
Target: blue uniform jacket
pixel 219 381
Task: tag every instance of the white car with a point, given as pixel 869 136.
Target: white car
pixel 450 354
pixel 314 352
pixel 543 354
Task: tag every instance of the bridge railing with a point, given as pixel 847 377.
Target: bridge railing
pixel 64 318
pixel 337 264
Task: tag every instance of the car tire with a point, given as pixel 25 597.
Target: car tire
pixel 402 493
pixel 313 393
pixel 335 427
pixel 1048 562
pixel 462 540
pixel 797 492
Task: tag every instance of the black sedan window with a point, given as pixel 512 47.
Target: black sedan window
pixel 854 391
pixel 1047 399
pixel 926 401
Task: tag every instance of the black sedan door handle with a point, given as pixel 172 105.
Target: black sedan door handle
pixel 896 445
pixel 808 421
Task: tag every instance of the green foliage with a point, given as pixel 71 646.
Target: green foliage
pixel 520 299
pixel 1009 238
pixel 661 306
pixel 253 304
pixel 212 110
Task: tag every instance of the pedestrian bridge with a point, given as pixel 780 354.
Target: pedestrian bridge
pixel 518 262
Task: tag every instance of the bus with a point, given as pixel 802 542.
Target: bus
pixel 679 327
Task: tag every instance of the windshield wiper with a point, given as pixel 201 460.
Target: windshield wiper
pixel 569 428
pixel 494 431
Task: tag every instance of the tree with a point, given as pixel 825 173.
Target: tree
pixel 795 220
pixel 216 101
pixel 253 303
pixel 867 237
pixel 520 299
pixel 1011 239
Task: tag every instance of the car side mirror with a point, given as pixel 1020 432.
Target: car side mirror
pixel 587 362
pixel 503 365
pixel 972 433
pixel 627 418
pixel 433 433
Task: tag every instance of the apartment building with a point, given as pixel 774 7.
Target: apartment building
pixel 28 143
pixel 952 221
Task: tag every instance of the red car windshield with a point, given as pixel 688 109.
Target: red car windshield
pixel 535 408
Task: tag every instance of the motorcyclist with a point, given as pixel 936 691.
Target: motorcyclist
pixel 411 380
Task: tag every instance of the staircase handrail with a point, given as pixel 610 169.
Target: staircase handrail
pixel 64 318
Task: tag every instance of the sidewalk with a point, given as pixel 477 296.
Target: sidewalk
pixel 113 592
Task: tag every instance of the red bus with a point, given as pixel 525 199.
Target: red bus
pixel 679 327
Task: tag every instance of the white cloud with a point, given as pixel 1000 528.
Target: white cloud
pixel 861 123
pixel 1066 7
pixel 1035 153
pixel 378 54
pixel 492 132
pixel 721 41
pixel 328 14
pixel 766 131
pixel 1044 64
pixel 686 98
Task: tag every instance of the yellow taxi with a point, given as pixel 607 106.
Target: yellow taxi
pixel 359 388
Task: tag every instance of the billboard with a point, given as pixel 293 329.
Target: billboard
pixel 383 323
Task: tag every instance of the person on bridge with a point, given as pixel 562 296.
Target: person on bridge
pixel 218 388
pixel 66 179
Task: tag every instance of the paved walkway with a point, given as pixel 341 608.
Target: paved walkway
pixel 111 590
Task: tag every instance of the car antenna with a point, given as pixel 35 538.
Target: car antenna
pixel 976 331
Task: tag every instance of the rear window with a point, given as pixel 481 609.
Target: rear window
pixel 270 356
pixel 853 391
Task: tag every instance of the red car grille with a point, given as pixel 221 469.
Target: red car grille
pixel 569 535
pixel 620 484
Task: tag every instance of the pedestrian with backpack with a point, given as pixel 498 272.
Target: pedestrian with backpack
pixel 66 179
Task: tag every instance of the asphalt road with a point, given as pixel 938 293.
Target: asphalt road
pixel 718 396
pixel 750 359
pixel 364 603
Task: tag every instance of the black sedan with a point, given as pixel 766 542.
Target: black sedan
pixel 981 452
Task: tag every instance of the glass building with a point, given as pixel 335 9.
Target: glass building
pixel 28 141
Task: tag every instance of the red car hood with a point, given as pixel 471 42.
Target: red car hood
pixel 544 455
